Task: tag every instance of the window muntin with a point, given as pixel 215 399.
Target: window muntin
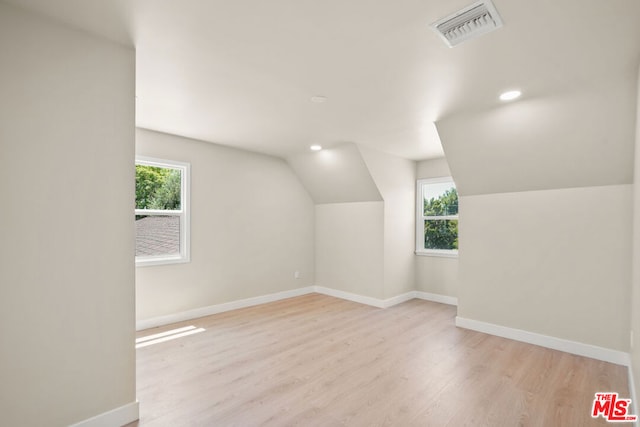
pixel 161 214
pixel 437 217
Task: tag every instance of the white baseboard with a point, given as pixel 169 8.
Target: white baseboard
pixel 375 302
pixel 115 418
pixel 398 299
pixel 442 299
pixel 220 308
pixel 361 299
pixel 249 302
pixel 573 347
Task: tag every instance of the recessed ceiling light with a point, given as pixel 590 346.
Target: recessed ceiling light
pixel 318 99
pixel 315 147
pixel 510 95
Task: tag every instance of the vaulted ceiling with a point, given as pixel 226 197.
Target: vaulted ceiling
pixel 243 72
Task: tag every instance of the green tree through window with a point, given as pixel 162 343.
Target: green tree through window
pixel 437 216
pixel 441 233
pixel 157 188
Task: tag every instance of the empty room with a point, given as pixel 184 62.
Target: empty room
pixel 303 213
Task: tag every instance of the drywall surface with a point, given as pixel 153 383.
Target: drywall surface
pixel 573 139
pixel 335 175
pixel 552 262
pixel 395 178
pixel 350 247
pixel 635 284
pixel 252 227
pixel 432 168
pixel 66 225
pixel 436 275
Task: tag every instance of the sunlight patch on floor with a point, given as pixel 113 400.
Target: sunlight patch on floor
pixel 167 336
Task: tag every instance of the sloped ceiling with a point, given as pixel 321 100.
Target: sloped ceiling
pixel 574 139
pixel 350 173
pixel 336 175
pixel 241 73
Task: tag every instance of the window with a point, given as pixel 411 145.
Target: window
pixel 162 211
pixel 437 217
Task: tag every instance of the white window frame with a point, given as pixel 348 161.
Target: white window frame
pixel 183 213
pixel 421 218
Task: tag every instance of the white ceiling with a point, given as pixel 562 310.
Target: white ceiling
pixel 242 72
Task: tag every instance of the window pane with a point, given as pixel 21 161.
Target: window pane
pixel 441 234
pixel 158 187
pixel 157 235
pixel 440 199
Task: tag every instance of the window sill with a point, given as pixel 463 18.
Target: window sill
pixel 438 253
pixel 155 261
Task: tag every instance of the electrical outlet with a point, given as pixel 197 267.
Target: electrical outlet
pixel 296 275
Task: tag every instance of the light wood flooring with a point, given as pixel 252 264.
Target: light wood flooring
pixel 315 360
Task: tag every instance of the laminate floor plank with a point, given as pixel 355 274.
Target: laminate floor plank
pixel 315 360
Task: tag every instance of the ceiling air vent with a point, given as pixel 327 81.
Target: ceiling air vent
pixel 472 21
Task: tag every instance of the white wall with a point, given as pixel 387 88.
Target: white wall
pixel 66 226
pixel 364 245
pixel 545 211
pixel 350 247
pixel 553 262
pixel 395 179
pixel 436 275
pixel 252 227
pixel 635 284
